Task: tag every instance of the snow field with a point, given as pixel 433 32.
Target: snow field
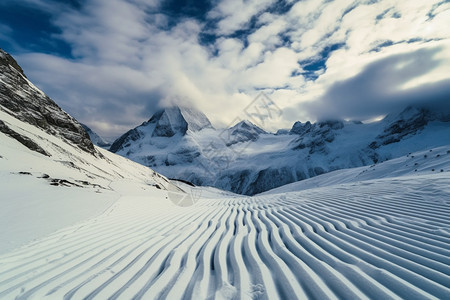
pixel 380 239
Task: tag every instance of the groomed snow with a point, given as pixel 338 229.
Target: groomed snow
pixel 381 239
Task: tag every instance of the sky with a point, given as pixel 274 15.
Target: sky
pixel 113 63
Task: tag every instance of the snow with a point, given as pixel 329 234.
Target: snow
pixel 91 224
pixel 95 138
pixel 379 232
pixel 196 120
pixel 371 240
pixel 32 208
pixel 432 161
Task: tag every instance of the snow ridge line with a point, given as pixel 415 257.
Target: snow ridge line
pixel 355 241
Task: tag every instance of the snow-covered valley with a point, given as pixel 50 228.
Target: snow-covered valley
pixel 378 239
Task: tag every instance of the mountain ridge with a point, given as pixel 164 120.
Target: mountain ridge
pixel 21 99
pixel 247 160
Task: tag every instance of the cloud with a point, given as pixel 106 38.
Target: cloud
pixel 233 15
pixel 377 90
pixel 315 59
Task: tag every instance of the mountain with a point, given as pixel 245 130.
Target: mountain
pixel 165 123
pixel 95 138
pixel 243 131
pixel 51 173
pixel 247 160
pixel 430 162
pixel 24 101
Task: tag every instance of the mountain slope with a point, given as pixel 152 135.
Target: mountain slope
pixel 95 138
pixel 165 123
pixel 51 175
pixel 247 160
pixel 428 162
pixel 21 99
pixel 64 186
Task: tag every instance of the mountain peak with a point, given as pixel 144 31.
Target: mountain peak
pixel 243 131
pixel 247 125
pixel 6 59
pixel 21 99
pixel 172 120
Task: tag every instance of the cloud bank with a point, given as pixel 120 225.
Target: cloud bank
pixel 315 59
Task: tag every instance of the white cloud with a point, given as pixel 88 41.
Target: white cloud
pixel 235 14
pixel 128 60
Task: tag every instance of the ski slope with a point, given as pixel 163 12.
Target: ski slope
pixel 431 161
pixel 379 239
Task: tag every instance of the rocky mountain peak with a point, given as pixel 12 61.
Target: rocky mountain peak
pixel 242 132
pixel 299 127
pixel 172 120
pixel 167 123
pixel 247 126
pixel 8 60
pixel 21 99
pixel 408 122
pixel 315 136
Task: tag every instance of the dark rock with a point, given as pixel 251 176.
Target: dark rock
pixel 315 136
pixel 408 122
pixel 243 131
pixel 121 142
pixel 19 98
pixel 300 128
pixel 27 142
pixel 183 181
pixel 167 123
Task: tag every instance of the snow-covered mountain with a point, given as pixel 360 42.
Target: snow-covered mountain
pixel 247 160
pixel 425 162
pixel 51 174
pixel 95 138
pixel 21 99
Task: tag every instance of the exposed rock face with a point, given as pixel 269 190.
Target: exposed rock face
pixel 173 120
pixel 95 138
pixel 27 142
pixel 315 136
pixel 21 99
pixel 300 128
pixel 243 131
pixel 167 123
pixel 249 182
pixel 125 139
pixel 409 122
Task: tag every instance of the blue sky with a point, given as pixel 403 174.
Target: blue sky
pixel 112 63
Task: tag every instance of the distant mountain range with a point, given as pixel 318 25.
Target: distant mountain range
pixel 180 143
pixel 95 138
